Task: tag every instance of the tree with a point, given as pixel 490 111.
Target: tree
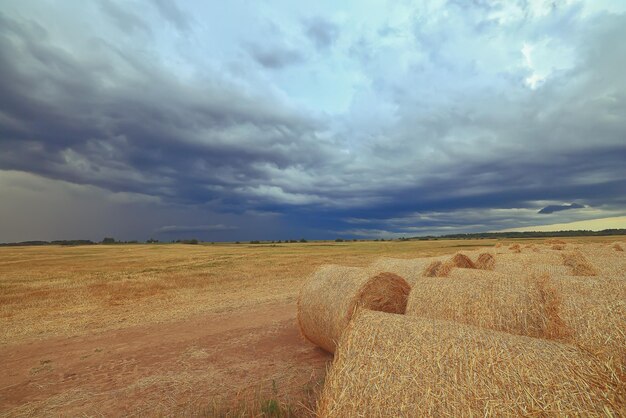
pixel 108 240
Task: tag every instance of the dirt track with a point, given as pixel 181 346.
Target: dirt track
pixel 179 366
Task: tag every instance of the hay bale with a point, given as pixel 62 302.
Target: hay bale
pixel 443 268
pixel 579 264
pixel 485 261
pixel 556 241
pixel 515 248
pixel 527 306
pixel 594 309
pixel 328 299
pixel 462 261
pixel 617 247
pixel 409 269
pixel 396 365
pixel 558 247
pixel 438 269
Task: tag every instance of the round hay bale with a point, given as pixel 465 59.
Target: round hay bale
pixel 594 309
pixel 400 366
pixel 555 241
pixel 485 261
pixel 527 306
pixel 438 269
pixel 579 264
pixel 328 300
pixel 408 269
pixel 515 248
pixel 462 261
pixel 617 247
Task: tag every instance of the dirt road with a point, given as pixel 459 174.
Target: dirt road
pixel 182 367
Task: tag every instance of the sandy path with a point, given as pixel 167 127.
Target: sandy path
pixel 165 368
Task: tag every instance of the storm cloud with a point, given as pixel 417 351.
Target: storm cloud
pixel 434 119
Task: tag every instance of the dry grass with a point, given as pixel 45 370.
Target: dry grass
pixel 396 365
pixel 579 264
pixel 485 261
pixel 558 247
pixel 329 298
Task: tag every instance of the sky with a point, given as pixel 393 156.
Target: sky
pixel 273 120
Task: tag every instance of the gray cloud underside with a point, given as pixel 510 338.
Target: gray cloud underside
pixel 120 120
pixel 321 32
pixel 558 208
pixel 178 229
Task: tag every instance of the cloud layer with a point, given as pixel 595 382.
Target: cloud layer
pixel 399 119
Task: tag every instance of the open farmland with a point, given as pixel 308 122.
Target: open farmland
pixel 199 329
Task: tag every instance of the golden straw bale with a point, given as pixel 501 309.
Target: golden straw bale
pixel 400 366
pixel 438 269
pixel 409 269
pixel 594 309
pixel 462 261
pixel 328 299
pixel 526 306
pixel 515 248
pixel 555 241
pixel 485 261
pixel 617 247
pixel 558 247
pixel 579 264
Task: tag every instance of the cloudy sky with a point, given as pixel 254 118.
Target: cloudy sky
pixel 272 119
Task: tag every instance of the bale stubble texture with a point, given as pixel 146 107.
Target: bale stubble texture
pixel 527 306
pixel 401 366
pixel 329 298
pixel 485 261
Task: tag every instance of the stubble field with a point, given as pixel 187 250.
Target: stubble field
pixel 171 329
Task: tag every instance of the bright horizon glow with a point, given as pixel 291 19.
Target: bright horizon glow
pixel 618 222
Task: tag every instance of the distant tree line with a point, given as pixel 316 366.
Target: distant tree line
pixel 530 234
pixel 478 235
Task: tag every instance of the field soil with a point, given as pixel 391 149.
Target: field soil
pixel 144 330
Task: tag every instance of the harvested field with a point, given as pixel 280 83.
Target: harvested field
pixel 212 330
pixel 395 365
pixel 167 329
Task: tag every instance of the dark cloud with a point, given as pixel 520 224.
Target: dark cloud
pixel 118 122
pixel 443 135
pixel 274 58
pixel 173 14
pixel 122 18
pixel 559 208
pixel 323 33
pixel 179 229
